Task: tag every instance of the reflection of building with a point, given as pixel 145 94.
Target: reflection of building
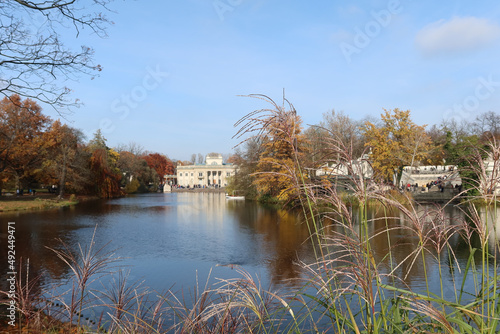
pixel 212 173
pixel 208 207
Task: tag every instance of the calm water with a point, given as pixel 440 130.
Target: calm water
pixel 166 239
pixel 170 240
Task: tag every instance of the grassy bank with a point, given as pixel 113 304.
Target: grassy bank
pixel 35 203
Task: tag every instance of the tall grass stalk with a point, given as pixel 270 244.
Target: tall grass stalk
pixel 350 272
pixel 87 265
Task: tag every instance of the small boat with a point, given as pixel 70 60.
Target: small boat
pixel 233 196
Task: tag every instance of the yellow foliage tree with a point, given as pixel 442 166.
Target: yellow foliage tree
pixel 396 143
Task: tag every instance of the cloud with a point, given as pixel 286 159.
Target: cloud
pixel 341 36
pixel 458 35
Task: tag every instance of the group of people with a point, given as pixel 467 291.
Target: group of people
pixel 20 192
pixel 440 183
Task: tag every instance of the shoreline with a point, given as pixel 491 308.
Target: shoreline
pixel 198 190
pixel 27 203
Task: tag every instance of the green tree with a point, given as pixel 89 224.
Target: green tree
pixel 461 150
pixel 246 160
pixel 103 166
pixel 137 175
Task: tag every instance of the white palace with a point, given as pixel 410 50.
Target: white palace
pixel 212 173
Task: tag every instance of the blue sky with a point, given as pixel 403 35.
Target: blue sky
pixel 173 70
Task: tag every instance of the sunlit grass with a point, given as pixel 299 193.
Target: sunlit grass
pixel 36 204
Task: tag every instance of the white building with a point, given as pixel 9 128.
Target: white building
pixel 358 167
pixel 213 173
pixel 490 182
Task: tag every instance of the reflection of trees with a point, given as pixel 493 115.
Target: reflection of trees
pixel 403 242
pixel 284 239
pixel 490 217
pixel 31 238
pixel 35 231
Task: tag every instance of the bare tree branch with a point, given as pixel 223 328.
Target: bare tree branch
pixel 34 61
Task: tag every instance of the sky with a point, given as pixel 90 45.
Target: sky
pixel 174 72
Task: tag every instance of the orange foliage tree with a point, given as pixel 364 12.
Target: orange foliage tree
pixel 65 161
pixel 22 142
pixel 161 164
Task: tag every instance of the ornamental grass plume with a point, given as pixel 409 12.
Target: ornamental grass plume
pixel 30 305
pixel 237 305
pixel 88 265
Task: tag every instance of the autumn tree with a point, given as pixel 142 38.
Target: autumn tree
pixel 279 132
pixel 396 143
pixel 66 161
pixel 137 175
pixel 22 143
pixel 103 165
pixel 34 62
pixel 161 164
pixel 245 158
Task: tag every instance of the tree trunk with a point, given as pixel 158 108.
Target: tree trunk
pixel 62 178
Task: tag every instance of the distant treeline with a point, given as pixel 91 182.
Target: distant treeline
pixel 36 151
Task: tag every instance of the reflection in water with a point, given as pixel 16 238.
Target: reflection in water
pixel 168 239
pixel 491 219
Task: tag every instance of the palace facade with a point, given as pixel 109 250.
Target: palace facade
pixel 213 173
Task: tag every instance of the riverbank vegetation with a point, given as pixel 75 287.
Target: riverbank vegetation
pixel 380 147
pixel 348 287
pixel 36 152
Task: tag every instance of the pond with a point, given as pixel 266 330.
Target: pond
pixel 166 239
pixel 178 240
